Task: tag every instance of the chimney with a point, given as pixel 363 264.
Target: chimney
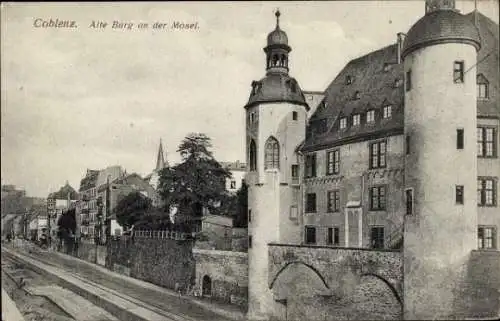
pixel 400 36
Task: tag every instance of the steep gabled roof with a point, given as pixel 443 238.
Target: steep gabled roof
pixel 376 87
pixel 488 64
pixel 377 78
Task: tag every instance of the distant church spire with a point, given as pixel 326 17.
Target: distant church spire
pixel 160 160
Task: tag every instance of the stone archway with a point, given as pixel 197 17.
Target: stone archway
pixel 301 289
pixel 206 286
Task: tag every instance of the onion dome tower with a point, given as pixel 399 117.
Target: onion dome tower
pixel 276 116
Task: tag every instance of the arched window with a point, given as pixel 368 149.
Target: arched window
pixel 253 156
pixel 272 155
pixel 275 60
pixel 283 61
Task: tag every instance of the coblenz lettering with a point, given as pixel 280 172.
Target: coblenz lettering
pixel 51 23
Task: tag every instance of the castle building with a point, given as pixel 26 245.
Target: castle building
pixel 355 150
pixel 401 152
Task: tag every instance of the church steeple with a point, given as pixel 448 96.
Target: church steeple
pixel 160 160
pixel 277 49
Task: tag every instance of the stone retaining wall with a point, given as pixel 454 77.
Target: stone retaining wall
pixel 227 272
pixel 165 262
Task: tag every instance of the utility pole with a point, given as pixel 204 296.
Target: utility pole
pixel 49 236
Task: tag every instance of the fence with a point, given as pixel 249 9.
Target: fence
pixel 172 235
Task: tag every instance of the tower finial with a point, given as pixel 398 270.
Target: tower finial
pixel 277 14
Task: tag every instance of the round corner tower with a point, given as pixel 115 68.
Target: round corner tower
pixel 276 116
pixel 440 55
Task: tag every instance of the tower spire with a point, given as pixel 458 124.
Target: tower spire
pixel 277 14
pixel 160 161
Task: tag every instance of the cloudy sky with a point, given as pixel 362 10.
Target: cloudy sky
pixel 83 98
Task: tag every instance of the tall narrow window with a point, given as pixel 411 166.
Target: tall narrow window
pixel 370 116
pixel 333 199
pixel 272 154
pixel 460 138
pixel 377 237
pixel 311 203
pixel 458 71
pixel 333 162
pixel 253 156
pixel 249 241
pixel 387 111
pixel 459 194
pixel 377 155
pixel 310 236
pixel 343 122
pixel 409 201
pixel 249 215
pixel 408 140
pixel 329 236
pixel 310 166
pixel 294 115
pixel 486 142
pixel 486 192
pixel 482 87
pixel 486 236
pixel 356 120
pixel 332 237
pixel 377 198
pixel 408 80
pixel 295 173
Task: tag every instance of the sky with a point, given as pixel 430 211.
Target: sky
pixel 83 98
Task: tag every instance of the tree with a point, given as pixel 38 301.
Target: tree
pixel 132 208
pixel 197 182
pixel 66 224
pixel 240 218
pixel 154 220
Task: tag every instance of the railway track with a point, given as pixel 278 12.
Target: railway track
pixel 151 306
pixel 16 277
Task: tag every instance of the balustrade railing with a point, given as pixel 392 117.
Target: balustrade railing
pixel 172 235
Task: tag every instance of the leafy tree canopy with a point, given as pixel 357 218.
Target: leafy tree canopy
pixel 67 223
pixel 132 208
pixel 197 182
pixel 240 218
pixel 154 220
